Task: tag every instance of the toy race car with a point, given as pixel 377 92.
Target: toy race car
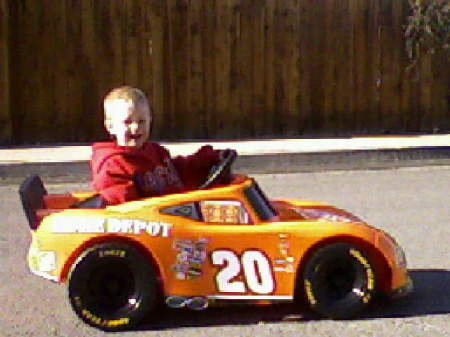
pixel 217 244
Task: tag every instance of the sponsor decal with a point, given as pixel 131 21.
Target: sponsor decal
pixel 155 182
pixel 285 263
pixel 249 272
pixel 369 271
pixel 280 261
pixel 224 211
pixel 190 258
pixel 112 225
pixel 112 252
pixel 309 292
pixel 98 320
pixel 286 269
pixel 103 322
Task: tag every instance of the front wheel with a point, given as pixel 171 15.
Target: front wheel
pixel 112 286
pixel 339 281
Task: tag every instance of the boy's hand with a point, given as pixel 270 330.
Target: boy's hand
pixel 226 153
pixel 220 173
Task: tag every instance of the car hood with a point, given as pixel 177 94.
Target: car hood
pixel 294 210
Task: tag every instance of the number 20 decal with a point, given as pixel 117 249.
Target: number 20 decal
pixel 255 265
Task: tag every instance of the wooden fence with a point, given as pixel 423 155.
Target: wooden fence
pixel 216 68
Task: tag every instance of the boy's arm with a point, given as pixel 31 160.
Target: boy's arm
pixel 119 193
pixel 194 169
pixel 115 184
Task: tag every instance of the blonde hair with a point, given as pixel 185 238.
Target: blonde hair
pixel 127 94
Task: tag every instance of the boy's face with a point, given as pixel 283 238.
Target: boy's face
pixel 128 121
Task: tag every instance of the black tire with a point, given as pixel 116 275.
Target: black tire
pixel 339 281
pixel 112 286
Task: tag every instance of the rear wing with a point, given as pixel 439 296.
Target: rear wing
pixel 32 194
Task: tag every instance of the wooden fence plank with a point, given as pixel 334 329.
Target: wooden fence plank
pixel 279 89
pixel 317 65
pixel 105 63
pixel 118 33
pixel 257 67
pixel 405 100
pixel 282 48
pixel 72 73
pixel 170 76
pixel 396 122
pixel 425 92
pixel 269 115
pixel 145 48
pixel 157 18
pixel 222 71
pixel 413 117
pixel 91 94
pixel 185 119
pixel 58 110
pixel 331 27
pixel 130 40
pixel 343 110
pixel 6 131
pixel 360 52
pixel 389 69
pixel 195 91
pixel 245 66
pixel 336 120
pixel 349 124
pixel 235 112
pixel 16 97
pixel 305 21
pixel 440 92
pixel 374 67
pixel 290 68
pixel 23 35
pixel 41 72
pixel 208 55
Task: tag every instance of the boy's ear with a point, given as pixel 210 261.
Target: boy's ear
pixel 108 124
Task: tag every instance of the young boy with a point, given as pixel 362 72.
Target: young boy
pixel 130 167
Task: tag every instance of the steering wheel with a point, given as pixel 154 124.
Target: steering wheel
pixel 220 170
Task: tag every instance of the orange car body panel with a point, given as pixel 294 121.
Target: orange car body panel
pixel 254 260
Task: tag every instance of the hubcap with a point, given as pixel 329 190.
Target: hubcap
pixel 111 286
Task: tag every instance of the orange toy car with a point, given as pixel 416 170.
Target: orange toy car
pixel 199 248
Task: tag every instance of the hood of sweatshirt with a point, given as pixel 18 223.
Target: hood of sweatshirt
pixel 102 151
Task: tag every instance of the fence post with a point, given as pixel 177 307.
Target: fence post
pixel 5 113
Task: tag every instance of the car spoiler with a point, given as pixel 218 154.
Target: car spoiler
pixel 32 194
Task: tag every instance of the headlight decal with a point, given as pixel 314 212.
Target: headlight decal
pixel 386 243
pixel 43 263
pixel 326 214
pixel 400 257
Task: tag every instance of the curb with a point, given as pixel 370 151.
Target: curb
pixel 345 160
pixel 78 171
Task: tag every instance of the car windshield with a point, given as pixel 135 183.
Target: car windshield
pixel 259 202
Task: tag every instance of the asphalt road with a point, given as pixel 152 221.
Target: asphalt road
pixel 411 204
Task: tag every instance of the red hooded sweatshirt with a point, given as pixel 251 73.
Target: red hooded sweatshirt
pixel 121 173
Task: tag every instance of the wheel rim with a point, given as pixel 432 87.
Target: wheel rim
pixel 111 287
pixel 337 279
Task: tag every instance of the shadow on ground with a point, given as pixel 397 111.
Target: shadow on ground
pixel 430 297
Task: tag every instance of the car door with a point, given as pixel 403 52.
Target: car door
pixel 228 255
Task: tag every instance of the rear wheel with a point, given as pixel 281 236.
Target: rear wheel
pixel 339 281
pixel 112 286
